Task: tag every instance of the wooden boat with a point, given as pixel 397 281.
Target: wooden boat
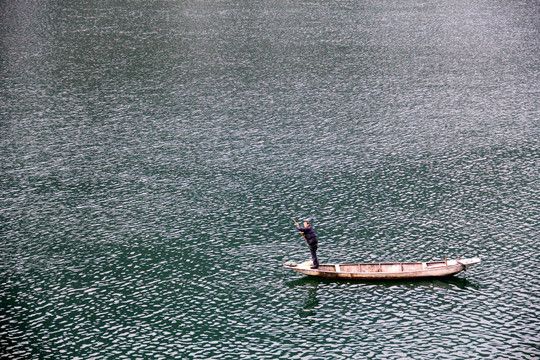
pixel 385 271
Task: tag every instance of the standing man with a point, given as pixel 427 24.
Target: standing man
pixel 309 234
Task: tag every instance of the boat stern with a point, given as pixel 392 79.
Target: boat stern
pixel 294 266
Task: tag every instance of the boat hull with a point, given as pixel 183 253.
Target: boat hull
pixel 385 271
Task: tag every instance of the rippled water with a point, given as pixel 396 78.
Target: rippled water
pixel 154 153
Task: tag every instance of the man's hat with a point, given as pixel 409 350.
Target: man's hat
pixel 308 220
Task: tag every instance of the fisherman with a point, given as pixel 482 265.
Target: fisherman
pixel 309 234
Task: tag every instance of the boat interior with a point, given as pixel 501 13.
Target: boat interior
pixel 382 267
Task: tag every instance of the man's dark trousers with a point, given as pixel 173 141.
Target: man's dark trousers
pixel 313 250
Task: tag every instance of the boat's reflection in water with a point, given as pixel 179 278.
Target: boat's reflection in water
pixel 450 282
pixel 307 288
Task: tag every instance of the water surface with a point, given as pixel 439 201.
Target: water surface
pixel 153 155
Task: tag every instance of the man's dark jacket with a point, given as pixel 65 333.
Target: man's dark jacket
pixel 309 233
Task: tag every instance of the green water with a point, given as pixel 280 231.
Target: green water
pixel 154 153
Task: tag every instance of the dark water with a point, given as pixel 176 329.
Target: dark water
pixel 153 154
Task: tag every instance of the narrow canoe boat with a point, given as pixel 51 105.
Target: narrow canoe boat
pixel 385 271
